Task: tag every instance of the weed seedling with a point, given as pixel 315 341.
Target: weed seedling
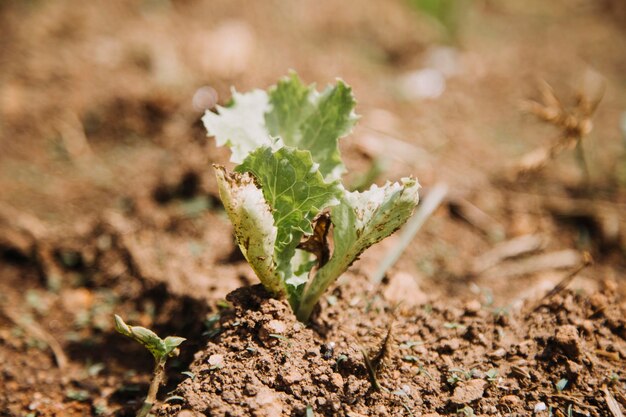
pixel 410 358
pixel 161 350
pixel 466 411
pixel 410 343
pixel 492 376
pixel 285 197
pixel 450 325
pixel 454 378
pixel 459 374
pixel 189 374
pixel 560 385
pixel 340 359
pixel 373 363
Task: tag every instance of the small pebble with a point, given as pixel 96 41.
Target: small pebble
pixel 216 360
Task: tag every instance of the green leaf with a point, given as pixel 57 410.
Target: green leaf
pixel 150 340
pixel 306 119
pixel 241 126
pixel 561 384
pixel 360 220
pixel 157 346
pixel 296 192
pixel 171 343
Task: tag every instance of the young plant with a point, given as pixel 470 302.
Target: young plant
pixel 285 197
pixel 161 349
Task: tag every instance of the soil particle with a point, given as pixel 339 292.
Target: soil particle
pixel 511 401
pixel 267 403
pixel 403 287
pixel 568 341
pixel 216 361
pixel 449 346
pixel 186 413
pixel 472 307
pixel 466 392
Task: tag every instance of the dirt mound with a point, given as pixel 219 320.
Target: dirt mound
pixel 565 353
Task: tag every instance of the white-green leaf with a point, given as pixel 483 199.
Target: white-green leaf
pixel 361 220
pixel 171 343
pixel 240 126
pixel 121 326
pixel 146 337
pixel 253 223
pixel 295 191
pixel 306 119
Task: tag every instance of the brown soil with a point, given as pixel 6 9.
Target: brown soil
pixel 264 362
pixel 108 205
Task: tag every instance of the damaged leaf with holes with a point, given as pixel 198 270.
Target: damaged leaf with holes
pixel 285 197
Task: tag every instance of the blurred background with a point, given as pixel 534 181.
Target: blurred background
pixel 100 102
pixel 106 185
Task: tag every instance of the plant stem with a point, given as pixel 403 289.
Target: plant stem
pixel 157 378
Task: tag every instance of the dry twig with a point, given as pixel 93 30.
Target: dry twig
pixel 611 403
pixel 586 261
pixel 508 249
pixel 37 332
pixel 574 122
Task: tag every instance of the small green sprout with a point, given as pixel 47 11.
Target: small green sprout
pixel 451 325
pixel 466 411
pixel 340 358
pixel 409 344
pixel 212 325
pixel 459 374
pixel 373 363
pixel 189 374
pixel 77 395
pixel 454 378
pixel 423 370
pixel 161 349
pixel 492 375
pixel 561 384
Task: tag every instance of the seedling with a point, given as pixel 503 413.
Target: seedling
pixel 450 325
pixel 466 411
pixel 454 378
pixel 561 384
pixel 189 374
pixel 373 363
pixel 285 197
pixel 340 359
pixel 161 349
pixel 410 343
pixel 492 375
pixel 77 395
pixel 459 374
